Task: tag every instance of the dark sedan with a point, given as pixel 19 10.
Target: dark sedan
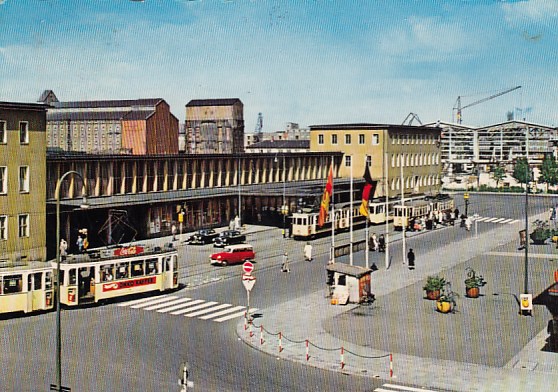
pixel 229 237
pixel 202 237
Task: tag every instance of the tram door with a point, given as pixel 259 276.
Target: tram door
pixel 85 281
pixel 34 290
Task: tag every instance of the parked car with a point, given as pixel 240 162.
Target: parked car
pixel 229 237
pixel 233 254
pixel 202 237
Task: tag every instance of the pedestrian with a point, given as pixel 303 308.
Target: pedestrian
pixel 79 243
pixel 382 243
pixel 63 248
pixel 374 242
pixel 411 259
pixel 456 213
pixel 468 223
pixel 308 252
pixel 285 264
pixel 173 231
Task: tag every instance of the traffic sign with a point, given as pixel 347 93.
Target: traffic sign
pixel 248 281
pixel 248 267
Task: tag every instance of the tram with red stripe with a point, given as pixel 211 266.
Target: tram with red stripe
pixel 103 274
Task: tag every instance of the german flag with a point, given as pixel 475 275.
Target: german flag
pixel 367 192
pixel 324 206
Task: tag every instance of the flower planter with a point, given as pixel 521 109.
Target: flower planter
pixel 443 307
pixel 472 292
pixel 433 294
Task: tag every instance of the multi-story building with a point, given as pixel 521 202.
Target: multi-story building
pixel 215 126
pixel 22 182
pixel 138 127
pixel 400 156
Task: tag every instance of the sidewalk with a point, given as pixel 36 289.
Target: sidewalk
pixel 309 318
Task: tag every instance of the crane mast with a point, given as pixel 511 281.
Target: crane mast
pixel 459 108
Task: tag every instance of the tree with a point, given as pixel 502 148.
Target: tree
pixel 521 171
pixel 549 171
pixel 499 173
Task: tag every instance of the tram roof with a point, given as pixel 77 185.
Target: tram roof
pixel 18 266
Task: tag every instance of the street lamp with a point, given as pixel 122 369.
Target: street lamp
pixel 466 198
pixel 58 261
pixel 284 206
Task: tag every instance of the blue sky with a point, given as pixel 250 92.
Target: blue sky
pixel 304 61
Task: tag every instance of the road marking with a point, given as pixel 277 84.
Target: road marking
pixel 137 301
pixel 498 220
pixel 166 304
pixel 152 302
pixel 490 219
pixel 522 254
pixel 507 220
pixel 235 315
pixel 513 221
pixel 394 387
pixel 188 304
pixel 188 310
pixel 481 219
pixel 222 312
pixel 205 311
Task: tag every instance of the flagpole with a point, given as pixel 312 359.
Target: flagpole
pixel 351 216
pixel 332 219
pixel 386 194
pixel 366 230
pixel 404 217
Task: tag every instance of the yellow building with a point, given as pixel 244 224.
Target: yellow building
pixel 395 152
pixel 22 181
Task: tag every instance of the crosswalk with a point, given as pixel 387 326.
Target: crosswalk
pixel 487 219
pixel 399 388
pixel 188 307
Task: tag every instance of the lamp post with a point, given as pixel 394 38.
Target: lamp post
pixel 466 198
pixel 285 208
pixel 58 261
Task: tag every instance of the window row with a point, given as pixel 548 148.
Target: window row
pixel 23 179
pixel 415 182
pixel 348 139
pixel 418 159
pixel 23 226
pixel 23 132
pixel 413 139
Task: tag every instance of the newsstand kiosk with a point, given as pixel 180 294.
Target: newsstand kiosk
pixel 347 283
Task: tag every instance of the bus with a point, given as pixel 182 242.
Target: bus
pixel 26 287
pixel 100 275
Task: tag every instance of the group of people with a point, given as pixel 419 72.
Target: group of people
pixel 435 219
pixel 377 244
pixel 307 256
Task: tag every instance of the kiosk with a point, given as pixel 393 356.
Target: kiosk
pixel 347 283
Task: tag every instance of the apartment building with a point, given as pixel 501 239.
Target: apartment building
pixel 401 157
pixel 137 127
pixel 22 182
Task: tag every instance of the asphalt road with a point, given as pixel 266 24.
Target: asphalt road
pixel 118 348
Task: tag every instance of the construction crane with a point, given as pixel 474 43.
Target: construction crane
pixel 459 108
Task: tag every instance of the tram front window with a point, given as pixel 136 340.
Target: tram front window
pixel 12 284
pixel 48 281
pixel 72 274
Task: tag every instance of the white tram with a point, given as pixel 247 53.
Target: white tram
pixel 305 224
pixel 26 287
pixel 404 214
pixel 115 272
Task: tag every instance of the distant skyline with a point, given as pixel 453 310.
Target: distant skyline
pixel 303 61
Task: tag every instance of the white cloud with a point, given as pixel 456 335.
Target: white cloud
pixel 530 10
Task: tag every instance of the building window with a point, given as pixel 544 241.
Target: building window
pixel 375 139
pixel 361 139
pixel 23 225
pixel 3 131
pixel 347 139
pixel 3 180
pixel 334 139
pixel 348 160
pixel 24 179
pixel 320 139
pixel 3 227
pixel 368 160
pixel 23 132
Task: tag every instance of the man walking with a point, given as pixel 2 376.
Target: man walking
pixel 308 252
pixel 411 259
pixel 285 264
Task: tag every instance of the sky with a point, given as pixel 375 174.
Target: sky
pixel 311 62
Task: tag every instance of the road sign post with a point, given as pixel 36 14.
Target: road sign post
pixel 248 280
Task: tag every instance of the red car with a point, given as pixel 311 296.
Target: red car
pixel 233 254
